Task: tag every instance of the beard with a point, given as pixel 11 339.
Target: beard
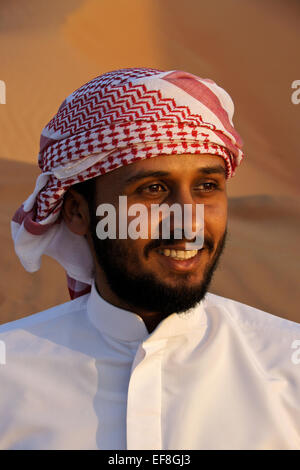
pixel 143 290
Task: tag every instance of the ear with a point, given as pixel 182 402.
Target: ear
pixel 75 212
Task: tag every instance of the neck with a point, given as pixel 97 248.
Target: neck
pixel 151 319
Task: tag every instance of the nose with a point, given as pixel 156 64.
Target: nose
pixel 188 221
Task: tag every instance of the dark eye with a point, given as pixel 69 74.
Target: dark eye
pixel 154 188
pixel 207 187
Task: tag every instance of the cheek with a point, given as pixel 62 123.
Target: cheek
pixel 135 222
pixel 215 217
pixel 132 228
pixel 127 254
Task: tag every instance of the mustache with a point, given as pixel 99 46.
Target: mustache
pixel 208 243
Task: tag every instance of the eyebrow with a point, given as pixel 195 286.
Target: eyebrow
pixel 146 174
pixel 207 170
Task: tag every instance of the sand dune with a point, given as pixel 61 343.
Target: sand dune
pixel 251 48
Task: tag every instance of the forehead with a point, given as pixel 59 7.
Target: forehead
pixel 177 162
pixel 174 165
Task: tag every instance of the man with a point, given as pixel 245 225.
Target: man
pixel 142 357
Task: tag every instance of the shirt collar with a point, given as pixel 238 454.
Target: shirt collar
pixel 128 326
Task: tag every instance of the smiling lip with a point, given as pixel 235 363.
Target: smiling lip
pixel 179 265
pixel 173 247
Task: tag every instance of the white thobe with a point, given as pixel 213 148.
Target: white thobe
pixel 88 375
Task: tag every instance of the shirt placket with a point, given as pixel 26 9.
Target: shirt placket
pixel 144 397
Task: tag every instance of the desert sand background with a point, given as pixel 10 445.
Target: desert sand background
pixel 249 47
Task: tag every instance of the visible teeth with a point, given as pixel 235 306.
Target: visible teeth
pixel 179 254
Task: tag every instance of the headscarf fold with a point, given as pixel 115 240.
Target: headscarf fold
pixel 116 119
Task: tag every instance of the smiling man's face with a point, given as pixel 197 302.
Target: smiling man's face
pixel 143 275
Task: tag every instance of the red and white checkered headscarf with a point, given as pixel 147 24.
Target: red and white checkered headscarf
pixel 116 119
